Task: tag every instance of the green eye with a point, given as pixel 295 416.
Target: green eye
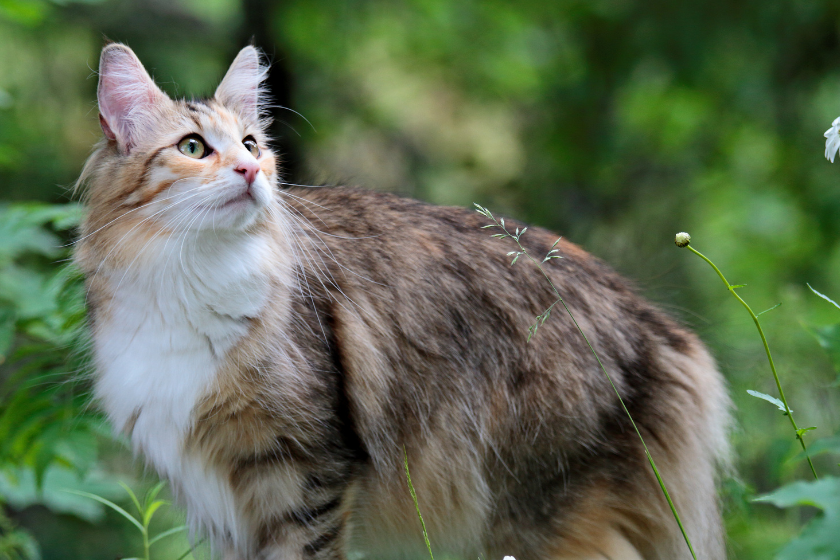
pixel 193 146
pixel 251 144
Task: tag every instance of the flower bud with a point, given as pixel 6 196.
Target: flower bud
pixel 682 239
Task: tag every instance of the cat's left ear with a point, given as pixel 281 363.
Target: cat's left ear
pixel 240 89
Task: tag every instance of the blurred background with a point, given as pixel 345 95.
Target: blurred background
pixel 616 123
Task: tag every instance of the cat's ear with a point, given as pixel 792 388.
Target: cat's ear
pixel 127 96
pixel 240 89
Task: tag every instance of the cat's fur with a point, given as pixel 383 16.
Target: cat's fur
pixel 270 352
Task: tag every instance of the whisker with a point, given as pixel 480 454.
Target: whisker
pixel 124 214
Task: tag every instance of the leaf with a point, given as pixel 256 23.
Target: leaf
pixel 820 539
pixel 768 398
pixel 154 491
pixel 111 505
pixel 150 511
pixel 825 297
pixel 133 497
pixel 515 259
pixel 7 331
pixel 18 489
pixel 556 242
pixel 828 337
pixel 802 431
pixel 820 446
pixel 769 309
pixel 168 533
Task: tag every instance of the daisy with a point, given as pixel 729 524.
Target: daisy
pixel 832 140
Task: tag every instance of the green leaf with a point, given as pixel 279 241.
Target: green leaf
pixel 820 539
pixel 828 337
pixel 111 505
pixel 7 331
pixel 170 532
pixel 133 497
pixel 802 431
pixel 154 491
pixel 825 297
pixel 768 398
pixel 150 511
pixel 768 309
pixel 18 489
pixel 820 446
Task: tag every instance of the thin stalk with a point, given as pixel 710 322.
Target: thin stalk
pixel 788 411
pixel 191 549
pixel 615 389
pixel 416 505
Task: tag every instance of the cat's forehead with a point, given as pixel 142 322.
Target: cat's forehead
pixel 214 120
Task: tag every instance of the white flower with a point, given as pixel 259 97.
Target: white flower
pixel 832 140
pixel 682 239
pixel 509 558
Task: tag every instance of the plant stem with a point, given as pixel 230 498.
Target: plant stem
pixel 615 389
pixel 788 412
pixel 416 505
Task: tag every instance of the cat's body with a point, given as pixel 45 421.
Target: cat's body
pixel 273 359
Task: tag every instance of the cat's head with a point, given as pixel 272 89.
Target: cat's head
pixel 178 165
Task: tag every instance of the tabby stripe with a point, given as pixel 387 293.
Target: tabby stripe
pixel 305 516
pixel 320 543
pixel 145 174
pixel 301 518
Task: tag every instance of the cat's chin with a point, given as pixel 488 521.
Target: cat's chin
pixel 236 214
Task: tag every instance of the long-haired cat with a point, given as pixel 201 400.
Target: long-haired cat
pixel 271 352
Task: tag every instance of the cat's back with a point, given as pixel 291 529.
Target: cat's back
pixel 432 321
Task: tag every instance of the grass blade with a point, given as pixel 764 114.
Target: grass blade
pixel 111 505
pixel 168 533
pixel 416 505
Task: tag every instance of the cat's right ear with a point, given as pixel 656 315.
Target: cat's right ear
pixel 127 96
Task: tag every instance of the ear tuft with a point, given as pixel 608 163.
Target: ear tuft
pixel 127 96
pixel 240 89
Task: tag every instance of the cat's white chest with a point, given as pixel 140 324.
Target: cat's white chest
pixel 159 346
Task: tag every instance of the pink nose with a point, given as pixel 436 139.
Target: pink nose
pixel 248 169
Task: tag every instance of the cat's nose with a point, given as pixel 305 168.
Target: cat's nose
pixel 248 169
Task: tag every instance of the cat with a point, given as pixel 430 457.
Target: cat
pixel 272 353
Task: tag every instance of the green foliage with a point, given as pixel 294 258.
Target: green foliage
pixel 42 418
pixel 783 403
pixel 820 539
pixel 46 432
pixel 145 513
pixel 16 544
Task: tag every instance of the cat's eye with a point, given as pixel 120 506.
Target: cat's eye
pixel 193 146
pixel 252 146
